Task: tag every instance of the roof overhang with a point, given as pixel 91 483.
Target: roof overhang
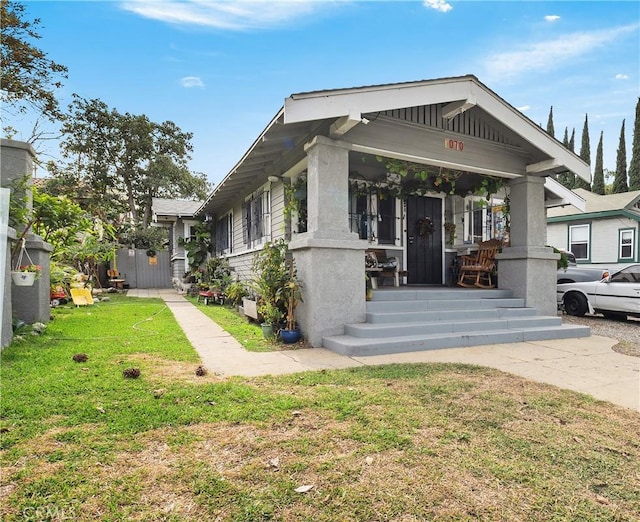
pixel 557 195
pixel 459 94
pixel 280 146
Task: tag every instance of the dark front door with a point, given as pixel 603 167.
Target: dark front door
pixel 424 240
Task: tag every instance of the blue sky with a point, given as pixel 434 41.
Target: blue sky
pixel 221 70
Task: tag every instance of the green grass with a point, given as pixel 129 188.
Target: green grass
pixel 396 442
pixel 246 332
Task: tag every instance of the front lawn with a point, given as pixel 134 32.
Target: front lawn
pixel 400 442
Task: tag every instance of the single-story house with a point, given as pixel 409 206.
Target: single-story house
pixel 605 232
pixel 177 216
pixel 343 155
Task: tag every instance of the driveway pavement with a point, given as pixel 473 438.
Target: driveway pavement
pixel 586 365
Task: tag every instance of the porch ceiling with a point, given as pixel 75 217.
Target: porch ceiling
pixel 341 113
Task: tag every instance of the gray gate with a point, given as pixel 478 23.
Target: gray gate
pixel 141 271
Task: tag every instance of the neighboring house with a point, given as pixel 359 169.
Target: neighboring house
pixel 177 215
pixel 334 147
pixel 605 233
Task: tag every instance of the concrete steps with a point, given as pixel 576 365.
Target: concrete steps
pixel 411 319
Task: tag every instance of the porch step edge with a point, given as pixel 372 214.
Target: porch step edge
pixel 354 346
pixel 448 315
pixel 385 330
pixel 445 304
pixel 429 294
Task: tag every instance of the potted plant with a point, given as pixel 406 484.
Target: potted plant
pixel 291 295
pixel 25 275
pixel 270 271
pixel 271 316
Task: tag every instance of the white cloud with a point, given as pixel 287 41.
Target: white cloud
pixel 438 5
pixel 552 18
pixel 191 81
pixel 524 108
pixel 550 54
pixel 249 14
pixel 622 76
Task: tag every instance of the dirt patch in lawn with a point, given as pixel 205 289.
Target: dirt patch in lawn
pixel 161 369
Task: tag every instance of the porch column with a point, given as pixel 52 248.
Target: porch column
pixel 329 258
pixel 528 267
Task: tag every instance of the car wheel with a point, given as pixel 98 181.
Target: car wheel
pixel 615 316
pixel 575 304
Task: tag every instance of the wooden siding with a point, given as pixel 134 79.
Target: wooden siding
pixel 241 257
pixel 558 236
pixel 241 265
pixel 470 123
pixel 604 237
pixel 178 267
pixel 238 239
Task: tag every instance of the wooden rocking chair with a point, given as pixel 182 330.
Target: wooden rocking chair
pixel 477 270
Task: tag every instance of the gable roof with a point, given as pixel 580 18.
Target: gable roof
pixel 597 205
pixel 174 207
pixel 280 146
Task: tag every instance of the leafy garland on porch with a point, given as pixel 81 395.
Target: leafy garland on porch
pixel 405 178
pixel 402 179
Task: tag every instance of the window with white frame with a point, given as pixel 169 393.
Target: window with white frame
pixel 482 219
pixel 256 225
pixel 579 241
pixel 626 244
pixel 224 234
pixel 189 232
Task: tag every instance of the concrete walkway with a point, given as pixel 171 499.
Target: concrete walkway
pixel 586 365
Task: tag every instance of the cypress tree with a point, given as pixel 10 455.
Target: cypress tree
pixel 598 173
pixel 572 141
pixel 571 177
pixel 634 166
pixel 563 178
pixel 550 129
pixel 585 154
pixel 620 181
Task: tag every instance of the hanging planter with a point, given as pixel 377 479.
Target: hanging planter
pixel 23 278
pixel 25 275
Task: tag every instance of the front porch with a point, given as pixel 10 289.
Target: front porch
pixel 380 164
pixel 413 318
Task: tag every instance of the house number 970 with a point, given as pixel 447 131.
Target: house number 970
pixel 453 144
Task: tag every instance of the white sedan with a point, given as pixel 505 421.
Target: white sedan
pixel 616 296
